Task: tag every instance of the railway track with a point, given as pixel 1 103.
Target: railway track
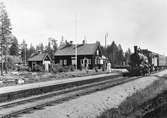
pixel 24 105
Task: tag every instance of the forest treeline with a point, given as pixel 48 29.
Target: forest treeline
pixel 113 52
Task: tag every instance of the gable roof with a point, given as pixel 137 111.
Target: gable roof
pixel 38 57
pixel 82 49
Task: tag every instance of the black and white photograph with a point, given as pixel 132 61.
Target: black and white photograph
pixel 83 59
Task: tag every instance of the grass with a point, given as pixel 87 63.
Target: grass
pixel 32 77
pixel 132 103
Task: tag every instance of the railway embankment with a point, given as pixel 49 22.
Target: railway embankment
pixel 117 102
pixel 147 103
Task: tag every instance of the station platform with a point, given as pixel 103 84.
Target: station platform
pixel 25 90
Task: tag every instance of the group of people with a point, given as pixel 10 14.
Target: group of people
pixel 107 67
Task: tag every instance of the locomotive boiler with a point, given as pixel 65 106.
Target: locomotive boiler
pixel 138 63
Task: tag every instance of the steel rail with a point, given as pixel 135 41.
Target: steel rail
pixel 14 108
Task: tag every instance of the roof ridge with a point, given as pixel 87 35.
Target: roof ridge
pixel 83 49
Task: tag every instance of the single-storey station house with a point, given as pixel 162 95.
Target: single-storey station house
pixel 88 55
pixel 40 59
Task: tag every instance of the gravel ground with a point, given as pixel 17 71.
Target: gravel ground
pixel 91 106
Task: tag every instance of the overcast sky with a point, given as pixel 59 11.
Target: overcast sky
pixel 128 22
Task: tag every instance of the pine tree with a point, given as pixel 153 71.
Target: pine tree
pixel 24 51
pixel 5 31
pixel 120 55
pixel 127 56
pixel 112 51
pixel 40 47
pixel 51 48
pixel 14 49
pixel 30 51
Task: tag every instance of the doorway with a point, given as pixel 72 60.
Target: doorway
pixel 85 62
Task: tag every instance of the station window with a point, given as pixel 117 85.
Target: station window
pixel 97 52
pixel 96 61
pixel 61 62
pixel 89 61
pixel 65 62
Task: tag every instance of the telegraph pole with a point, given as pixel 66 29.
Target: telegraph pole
pixel 1 48
pixel 76 41
pixel 25 52
pixel 106 36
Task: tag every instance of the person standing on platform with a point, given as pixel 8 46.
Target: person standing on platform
pixel 87 67
pixel 108 67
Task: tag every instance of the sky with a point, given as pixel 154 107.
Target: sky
pixel 127 22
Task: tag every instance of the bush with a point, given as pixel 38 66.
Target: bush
pixel 69 68
pixel 38 68
pixel 22 68
pixel 57 68
pixel 66 68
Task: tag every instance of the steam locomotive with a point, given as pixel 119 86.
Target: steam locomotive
pixel 143 62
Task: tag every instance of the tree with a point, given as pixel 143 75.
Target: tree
pixel 52 46
pixel 112 52
pixel 24 51
pixel 30 51
pixel 120 55
pixel 127 56
pixel 14 49
pixel 49 49
pixel 40 47
pixel 104 51
pixel 5 31
pixel 62 43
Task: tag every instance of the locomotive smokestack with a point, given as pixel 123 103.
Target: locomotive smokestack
pixel 135 49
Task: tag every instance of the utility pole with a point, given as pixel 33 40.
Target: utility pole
pixel 6 67
pixel 1 48
pixel 25 53
pixel 76 41
pixel 1 59
pixel 106 36
pixel 25 48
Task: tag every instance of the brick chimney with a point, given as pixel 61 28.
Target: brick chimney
pixel 135 49
pixel 71 42
pixel 84 42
